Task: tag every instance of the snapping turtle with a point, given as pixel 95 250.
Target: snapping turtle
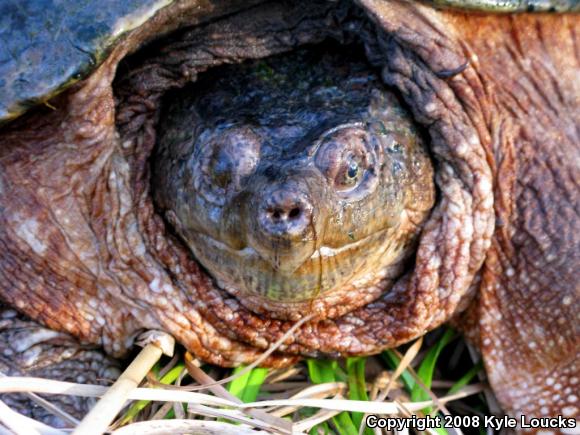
pixel 302 186
pixel 223 211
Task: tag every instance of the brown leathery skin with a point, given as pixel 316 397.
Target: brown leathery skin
pixel 530 291
pixel 363 331
pixel 504 136
pixel 525 80
pixel 267 144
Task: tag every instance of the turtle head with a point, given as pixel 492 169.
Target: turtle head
pixel 293 180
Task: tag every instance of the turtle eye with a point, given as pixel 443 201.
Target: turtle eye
pixel 346 159
pixel 221 168
pixel 352 171
pixel 222 159
pixel 349 175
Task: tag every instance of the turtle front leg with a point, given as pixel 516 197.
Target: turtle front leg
pixel 529 317
pixel 28 349
pixel 521 97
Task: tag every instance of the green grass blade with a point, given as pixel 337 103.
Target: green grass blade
pixel 238 385
pixel 344 424
pixel 169 378
pixel 393 361
pixel 357 388
pixel 427 367
pixel 466 378
pixel 323 371
pixel 258 375
pixel 247 386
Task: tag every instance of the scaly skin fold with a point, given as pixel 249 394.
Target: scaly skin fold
pixel 29 349
pixel 522 94
pixel 83 250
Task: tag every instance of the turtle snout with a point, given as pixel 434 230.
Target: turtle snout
pixel 285 213
pixel 283 225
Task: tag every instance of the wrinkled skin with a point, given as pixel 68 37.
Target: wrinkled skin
pixel 303 181
pixel 85 251
pixel 29 349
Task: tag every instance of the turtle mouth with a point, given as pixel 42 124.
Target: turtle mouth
pixel 322 252
pixel 362 269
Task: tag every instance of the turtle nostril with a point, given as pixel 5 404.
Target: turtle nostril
pixel 294 213
pixel 284 213
pixel 276 215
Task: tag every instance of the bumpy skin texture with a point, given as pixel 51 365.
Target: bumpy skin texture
pixel 303 185
pixel 83 251
pixel 28 349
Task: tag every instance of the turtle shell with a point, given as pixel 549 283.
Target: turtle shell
pixel 510 6
pixel 47 45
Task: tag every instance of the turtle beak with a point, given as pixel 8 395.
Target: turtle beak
pixel 283 225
